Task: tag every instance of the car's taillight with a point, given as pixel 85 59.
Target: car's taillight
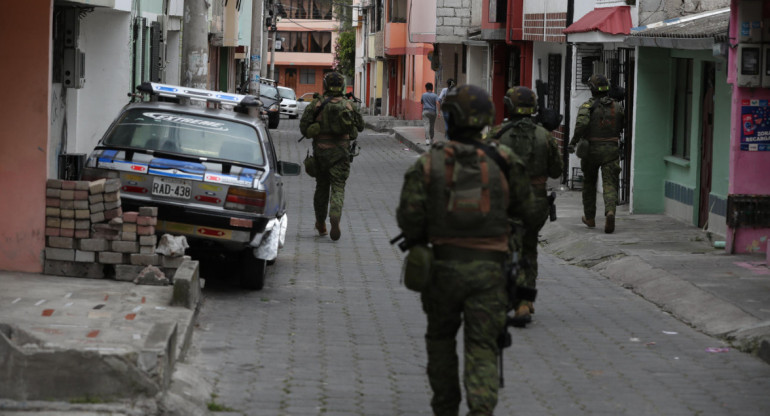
pixel 134 189
pixel 245 200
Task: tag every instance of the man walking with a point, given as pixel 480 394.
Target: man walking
pixel 540 153
pixel 428 101
pixel 460 198
pixel 450 83
pixel 332 122
pixel 599 122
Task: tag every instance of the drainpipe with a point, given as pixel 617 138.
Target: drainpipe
pixel 567 95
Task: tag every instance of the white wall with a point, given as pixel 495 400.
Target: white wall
pixel 551 6
pixel 540 51
pixel 478 64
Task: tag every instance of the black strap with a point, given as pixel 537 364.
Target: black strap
pixel 492 154
pixel 321 107
pixel 502 131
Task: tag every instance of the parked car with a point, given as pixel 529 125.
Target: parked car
pixel 288 102
pixel 271 101
pixel 303 101
pixel 212 173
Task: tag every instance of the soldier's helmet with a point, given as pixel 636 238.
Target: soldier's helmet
pixel 520 101
pixel 598 84
pixel 334 82
pixel 468 106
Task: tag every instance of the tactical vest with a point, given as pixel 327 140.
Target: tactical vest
pixel 467 193
pixel 530 142
pixel 605 118
pixel 337 118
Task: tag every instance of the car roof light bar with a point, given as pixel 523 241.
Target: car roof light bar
pixel 176 91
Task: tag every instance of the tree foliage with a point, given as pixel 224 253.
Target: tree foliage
pixel 345 53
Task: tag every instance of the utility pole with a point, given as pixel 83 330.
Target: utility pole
pixel 195 44
pixel 255 49
pixel 272 47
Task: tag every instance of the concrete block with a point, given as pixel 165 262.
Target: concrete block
pixel 69 185
pixel 68 223
pixel 97 186
pixel 82 185
pixel 108 235
pixel 146 220
pixel 73 269
pixel 148 240
pixel 153 276
pixel 83 224
pixel 111 185
pixel 53 183
pixel 127 272
pixel 68 204
pixel 187 287
pixel 126 236
pixel 82 214
pixel 67 232
pixel 52 193
pixel 62 254
pixel 146 249
pixel 112 197
pixel 173 261
pixel 128 227
pixel 148 211
pixel 52 212
pixel 117 212
pixel 52 202
pixel 96 207
pixel 80 204
pixel 95 198
pixel 97 217
pixel 125 246
pixel 94 244
pixel 117 223
pixel 145 259
pixel 52 232
pixel 111 257
pixel 111 205
pixel 61 242
pixel 53 222
pixel 80 195
pixel 66 194
pixel 85 256
pixel 83 233
pixel 145 230
pixel 67 213
pixel 130 216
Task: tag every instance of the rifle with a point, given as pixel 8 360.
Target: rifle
pixel 515 294
pixel 552 206
pixel 547 117
pixel 354 150
pixel 403 243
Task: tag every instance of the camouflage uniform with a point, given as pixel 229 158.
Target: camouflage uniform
pixel 600 121
pixel 468 283
pixel 541 155
pixel 332 159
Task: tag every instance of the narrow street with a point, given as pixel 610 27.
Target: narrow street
pixel 335 333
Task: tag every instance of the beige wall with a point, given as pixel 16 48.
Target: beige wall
pixel 26 57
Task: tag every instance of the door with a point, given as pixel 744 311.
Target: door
pixel 392 69
pixel 706 143
pixel 291 79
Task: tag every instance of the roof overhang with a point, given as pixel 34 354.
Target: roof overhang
pixel 696 32
pixel 609 20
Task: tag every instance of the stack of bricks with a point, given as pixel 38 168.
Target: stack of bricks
pixel 89 235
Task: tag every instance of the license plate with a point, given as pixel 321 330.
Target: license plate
pixel 174 188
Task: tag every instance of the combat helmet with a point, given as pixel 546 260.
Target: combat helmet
pixel 598 84
pixel 520 101
pixel 467 107
pixel 334 82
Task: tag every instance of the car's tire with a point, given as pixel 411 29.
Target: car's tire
pixel 253 271
pixel 272 120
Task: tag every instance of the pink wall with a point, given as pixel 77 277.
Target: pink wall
pixel 24 140
pixel 749 171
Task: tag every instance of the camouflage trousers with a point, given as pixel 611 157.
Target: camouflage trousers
pixel 333 166
pixel 602 156
pixel 528 272
pixel 472 293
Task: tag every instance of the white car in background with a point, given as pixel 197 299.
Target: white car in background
pixel 303 101
pixel 288 102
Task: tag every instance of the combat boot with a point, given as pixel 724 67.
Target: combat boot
pixel 609 222
pixel 522 316
pixel 335 232
pixel 590 223
pixel 321 227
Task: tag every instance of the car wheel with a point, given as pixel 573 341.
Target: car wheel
pixel 253 271
pixel 273 120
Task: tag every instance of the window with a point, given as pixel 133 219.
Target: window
pixel 682 116
pixel 397 11
pixel 305 9
pixel 554 81
pixel 497 11
pixel 315 42
pixel 307 76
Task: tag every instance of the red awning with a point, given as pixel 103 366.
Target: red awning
pixel 612 20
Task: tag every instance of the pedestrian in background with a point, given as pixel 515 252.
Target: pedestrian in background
pixel 428 101
pixel 599 122
pixel 534 144
pixel 332 122
pixel 450 83
pixel 465 217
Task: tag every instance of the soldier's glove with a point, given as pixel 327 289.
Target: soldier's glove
pixel 571 148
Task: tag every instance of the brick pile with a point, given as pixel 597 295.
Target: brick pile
pixel 89 235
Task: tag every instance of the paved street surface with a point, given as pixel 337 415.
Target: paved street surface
pixel 335 333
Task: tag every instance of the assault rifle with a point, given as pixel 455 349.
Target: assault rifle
pixel 552 206
pixel 515 294
pixel 354 150
pixel 403 243
pixel 547 117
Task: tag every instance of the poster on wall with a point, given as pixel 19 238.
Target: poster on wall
pixel 755 125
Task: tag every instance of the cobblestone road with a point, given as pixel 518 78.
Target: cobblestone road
pixel 334 333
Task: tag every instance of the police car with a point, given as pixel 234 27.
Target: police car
pixel 211 169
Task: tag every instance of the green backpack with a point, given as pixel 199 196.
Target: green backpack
pixel 339 118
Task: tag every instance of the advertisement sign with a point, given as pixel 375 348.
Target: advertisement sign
pixel 755 125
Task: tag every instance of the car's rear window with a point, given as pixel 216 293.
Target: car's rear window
pixel 187 134
pixel 287 93
pixel 268 90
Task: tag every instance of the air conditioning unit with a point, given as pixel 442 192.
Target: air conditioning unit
pixel 73 69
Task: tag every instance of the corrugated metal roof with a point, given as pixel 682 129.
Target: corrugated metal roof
pixel 712 24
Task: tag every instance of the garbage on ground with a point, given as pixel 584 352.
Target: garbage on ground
pixel 717 349
pixel 670 332
pixel 719 244
pixel 173 246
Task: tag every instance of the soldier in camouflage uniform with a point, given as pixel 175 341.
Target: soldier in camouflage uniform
pixel 468 285
pixel 331 153
pixel 540 153
pixel 600 122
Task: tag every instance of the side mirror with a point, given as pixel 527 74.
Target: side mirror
pixel 289 168
pixel 300 99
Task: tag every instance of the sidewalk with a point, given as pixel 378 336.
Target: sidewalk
pixel 669 263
